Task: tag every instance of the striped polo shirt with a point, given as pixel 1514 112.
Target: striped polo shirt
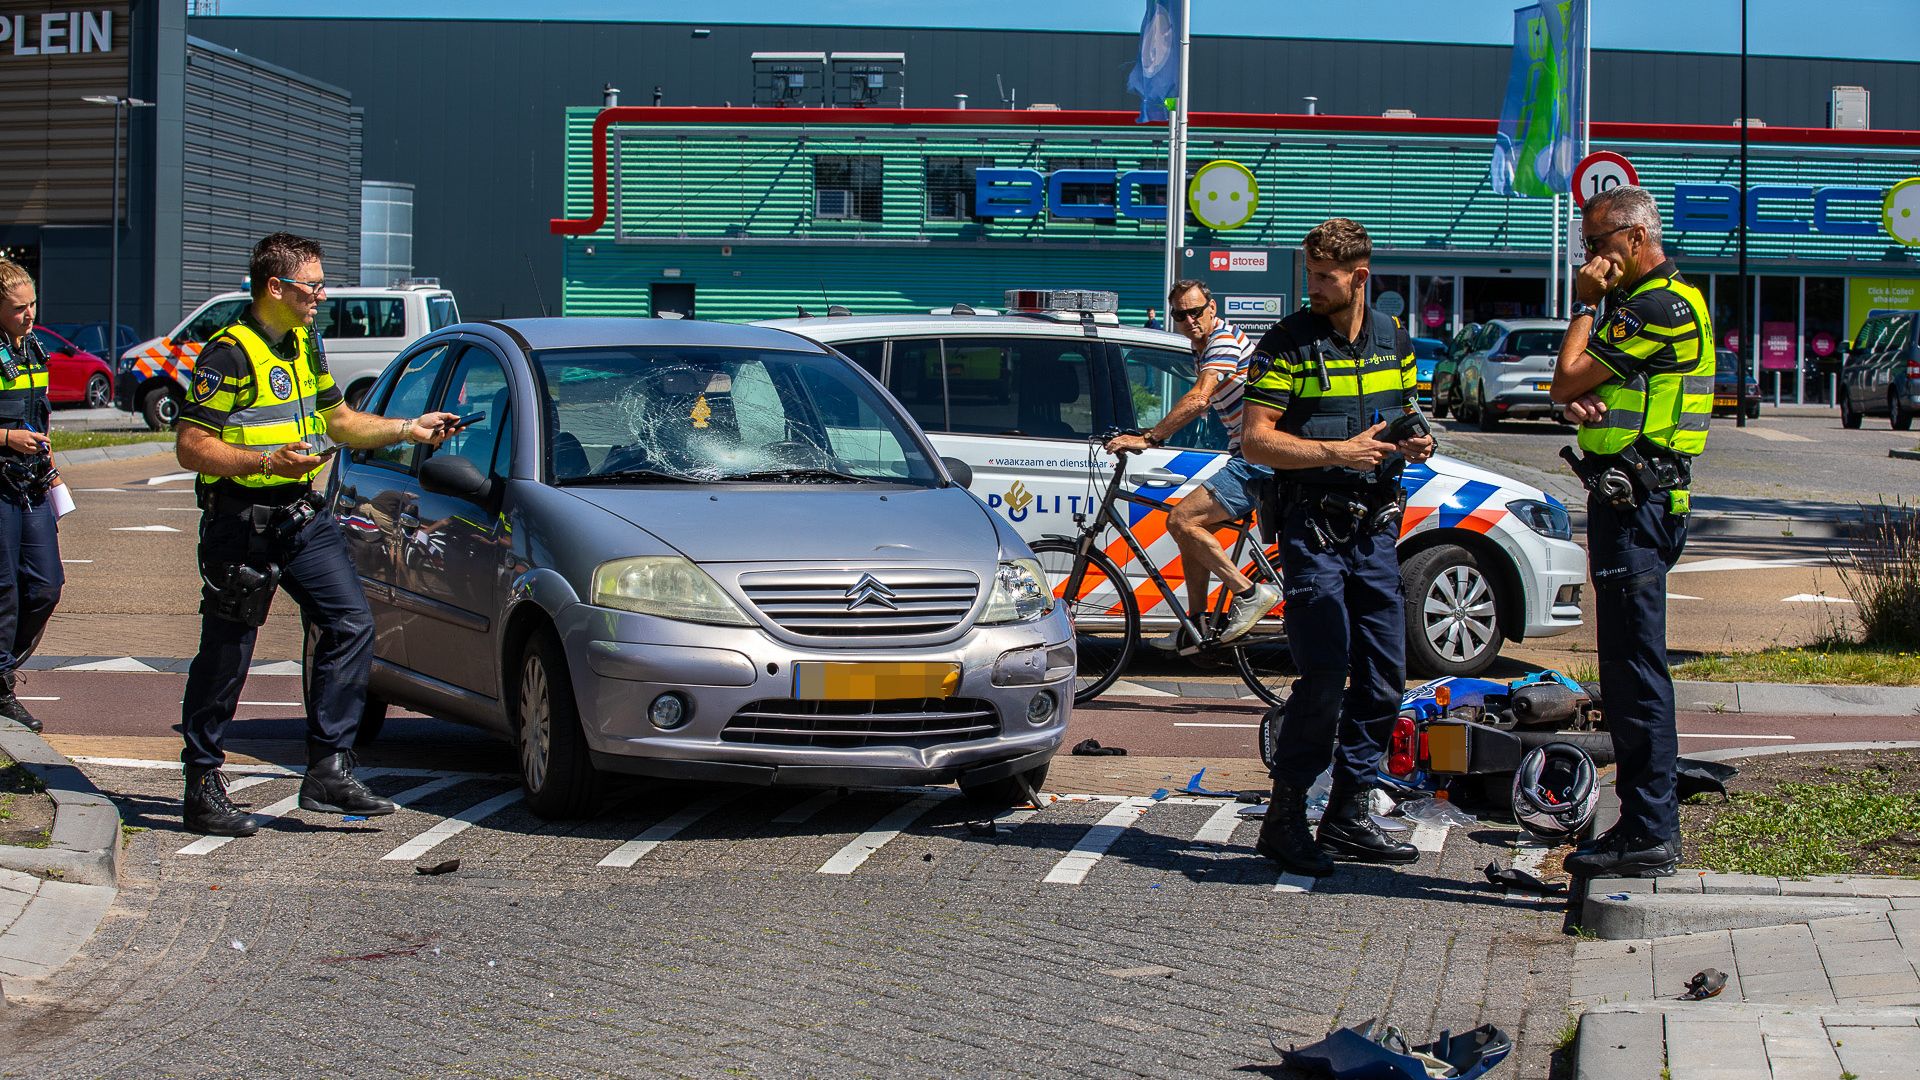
pixel 1228 354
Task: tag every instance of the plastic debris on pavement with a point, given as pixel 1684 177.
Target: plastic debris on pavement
pixel 1159 793
pixel 1358 1053
pixel 1705 984
pixel 1092 748
pixel 1436 812
pixel 447 867
pixel 237 945
pixel 1619 896
pixel 1514 880
pixel 1194 788
pixel 354 817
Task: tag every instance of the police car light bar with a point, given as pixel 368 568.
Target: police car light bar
pixel 1083 301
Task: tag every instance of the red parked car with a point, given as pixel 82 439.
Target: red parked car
pixel 74 375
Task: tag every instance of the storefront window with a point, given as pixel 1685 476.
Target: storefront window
pixel 1822 335
pixel 1504 297
pixel 1779 341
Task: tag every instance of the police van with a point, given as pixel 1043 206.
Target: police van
pixel 363 328
pixel 1019 396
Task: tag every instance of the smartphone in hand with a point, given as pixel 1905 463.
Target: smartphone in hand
pixel 469 420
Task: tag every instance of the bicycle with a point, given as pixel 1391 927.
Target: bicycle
pixel 1106 617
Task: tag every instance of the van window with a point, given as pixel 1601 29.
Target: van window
pixel 441 312
pixel 352 318
pixel 1018 386
pixel 1156 378
pixel 212 320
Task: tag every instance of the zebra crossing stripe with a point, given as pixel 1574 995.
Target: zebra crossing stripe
pixel 1219 827
pixel 1294 883
pixel 1072 869
pixel 452 827
pixel 849 858
pixel 1429 837
pixel 636 849
pixel 415 794
pixel 208 844
pixel 803 812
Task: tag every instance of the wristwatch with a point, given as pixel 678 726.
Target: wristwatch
pixel 1154 440
pixel 1589 310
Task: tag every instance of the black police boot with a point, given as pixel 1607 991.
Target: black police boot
pixel 1348 831
pixel 1627 856
pixel 331 788
pixel 1285 837
pixel 12 709
pixel 208 810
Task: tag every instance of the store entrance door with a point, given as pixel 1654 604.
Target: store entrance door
pixel 673 298
pixel 1505 296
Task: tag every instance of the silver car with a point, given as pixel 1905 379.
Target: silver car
pixel 1507 377
pixel 698 551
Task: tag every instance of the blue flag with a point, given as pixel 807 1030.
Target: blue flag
pixel 1156 77
pixel 1540 121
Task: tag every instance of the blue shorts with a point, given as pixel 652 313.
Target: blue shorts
pixel 1232 486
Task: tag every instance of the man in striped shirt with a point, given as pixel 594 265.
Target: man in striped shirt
pixel 1224 354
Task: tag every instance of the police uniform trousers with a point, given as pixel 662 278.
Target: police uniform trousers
pixel 30 573
pixel 1630 552
pixel 1346 628
pixel 317 572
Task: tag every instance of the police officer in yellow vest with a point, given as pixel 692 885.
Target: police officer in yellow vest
pixel 30 575
pixel 260 414
pixel 1639 381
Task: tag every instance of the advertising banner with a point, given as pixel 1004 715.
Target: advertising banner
pixel 1776 345
pixel 1156 76
pixel 1539 139
pixel 1878 294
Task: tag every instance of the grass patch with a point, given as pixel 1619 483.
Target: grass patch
pixel 1830 662
pixel 1851 820
pixel 84 440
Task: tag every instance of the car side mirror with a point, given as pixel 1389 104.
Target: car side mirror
pixel 961 472
pixel 456 476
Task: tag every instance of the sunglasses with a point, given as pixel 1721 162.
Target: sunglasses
pixel 314 287
pixel 1591 242
pixel 1178 314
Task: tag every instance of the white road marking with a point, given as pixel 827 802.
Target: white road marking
pixel 1429 838
pixel 1073 867
pixel 1527 857
pixel 849 858
pixel 453 826
pixel 187 509
pixel 23 697
pixel 1182 723
pixel 124 664
pixel 1704 735
pixel 1708 565
pixel 168 478
pixel 1219 827
pixel 145 528
pixel 804 811
pixel 208 844
pixel 636 849
pixel 278 667
pixel 255 780
pixel 1813 598
pixel 1294 883
pixel 258 774
pixel 415 794
pixel 1681 596
pixel 270 702
pixel 116 491
pixel 76 562
pixel 1776 436
pixel 1127 688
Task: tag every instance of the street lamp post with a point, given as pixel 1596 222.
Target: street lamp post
pixel 112 336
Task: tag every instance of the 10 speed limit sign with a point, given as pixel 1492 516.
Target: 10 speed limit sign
pixel 1599 171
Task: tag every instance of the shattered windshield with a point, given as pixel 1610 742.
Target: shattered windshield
pixel 644 414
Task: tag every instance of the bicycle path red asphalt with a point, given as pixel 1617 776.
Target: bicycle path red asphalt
pixel 143 704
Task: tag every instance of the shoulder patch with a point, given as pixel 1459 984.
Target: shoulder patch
pixel 205 385
pixel 1625 324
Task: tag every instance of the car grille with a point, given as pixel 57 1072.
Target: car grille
pixel 855 603
pixel 845 724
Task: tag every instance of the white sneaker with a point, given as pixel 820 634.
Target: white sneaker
pixel 1249 610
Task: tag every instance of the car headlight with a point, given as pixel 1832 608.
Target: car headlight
pixel 1547 519
pixel 1019 593
pixel 669 586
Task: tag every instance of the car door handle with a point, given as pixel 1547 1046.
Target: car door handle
pixel 1157 478
pixel 408 521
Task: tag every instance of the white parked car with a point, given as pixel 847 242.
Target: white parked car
pixel 362 329
pixel 1509 375
pixel 1019 396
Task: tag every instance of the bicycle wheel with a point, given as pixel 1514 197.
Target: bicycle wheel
pixel 1262 657
pixel 1103 613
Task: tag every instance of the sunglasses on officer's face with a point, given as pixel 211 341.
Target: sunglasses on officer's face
pixel 1593 242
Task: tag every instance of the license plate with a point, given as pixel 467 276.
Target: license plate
pixel 833 681
pixel 1543 386
pixel 1718 400
pixel 1425 386
pixel 1447 748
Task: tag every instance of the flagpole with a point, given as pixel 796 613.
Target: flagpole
pixel 1553 263
pixel 1177 165
pixel 1586 130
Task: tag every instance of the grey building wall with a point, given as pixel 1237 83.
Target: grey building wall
pixel 266 149
pixel 470 111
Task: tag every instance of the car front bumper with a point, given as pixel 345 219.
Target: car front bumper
pixel 621 663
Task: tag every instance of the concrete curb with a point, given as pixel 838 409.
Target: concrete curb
pixel 92 454
pixel 1632 1041
pixel 1905 455
pixel 84 847
pixel 1616 916
pixel 1788 699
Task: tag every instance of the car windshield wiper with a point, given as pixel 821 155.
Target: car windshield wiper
pixel 800 475
pixel 628 476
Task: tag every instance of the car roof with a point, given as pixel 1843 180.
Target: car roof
pixel 1532 324
pixel 831 329
pixel 576 332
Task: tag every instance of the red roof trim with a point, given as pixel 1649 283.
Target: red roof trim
pixel 1422 125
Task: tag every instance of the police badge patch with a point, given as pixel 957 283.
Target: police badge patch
pixel 205 385
pixel 281 382
pixel 1625 325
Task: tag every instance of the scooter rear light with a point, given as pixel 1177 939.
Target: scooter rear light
pixel 1400 749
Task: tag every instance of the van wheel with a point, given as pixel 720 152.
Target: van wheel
pixel 159 407
pixel 1849 419
pixel 1453 612
pixel 1898 413
pixel 555 769
pixel 373 714
pixel 1008 790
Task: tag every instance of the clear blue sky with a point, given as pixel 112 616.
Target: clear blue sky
pixel 1861 29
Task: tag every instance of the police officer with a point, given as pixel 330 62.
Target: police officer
pixel 260 408
pixel 1640 383
pixel 1337 374
pixel 30 574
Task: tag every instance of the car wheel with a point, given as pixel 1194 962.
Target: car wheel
pixel 555 769
pixel 1008 790
pixel 373 714
pixel 159 408
pixel 357 393
pixel 1452 612
pixel 1488 419
pixel 1753 411
pixel 99 391
pixel 1898 414
pixel 1439 403
pixel 1849 418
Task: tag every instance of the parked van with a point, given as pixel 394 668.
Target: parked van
pixel 1881 375
pixel 362 328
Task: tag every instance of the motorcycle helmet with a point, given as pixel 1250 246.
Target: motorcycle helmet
pixel 1554 791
